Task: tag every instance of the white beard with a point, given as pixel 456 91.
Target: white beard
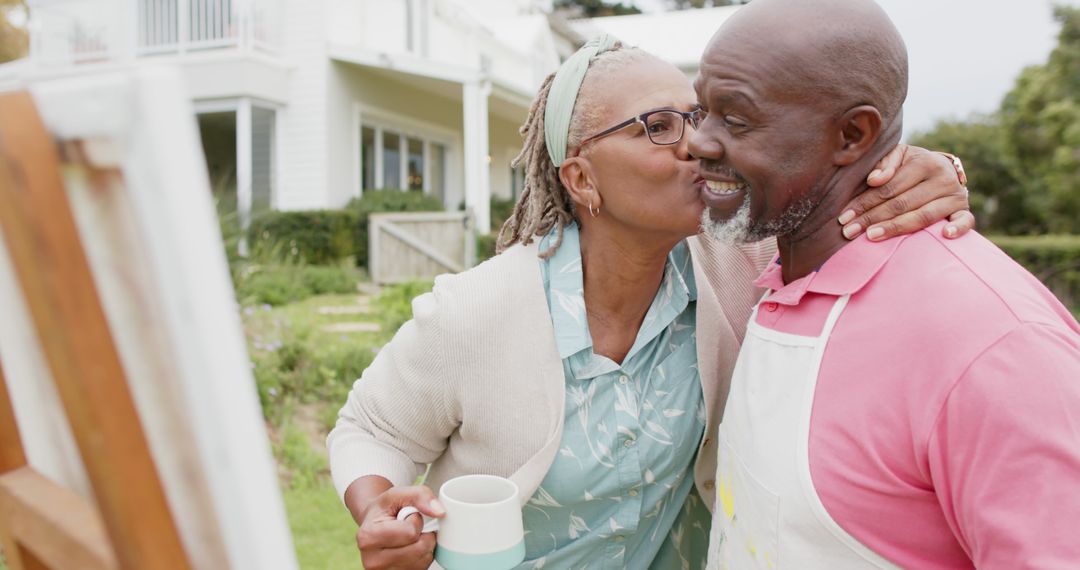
pixel 735 229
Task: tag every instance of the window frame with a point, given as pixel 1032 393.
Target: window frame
pixel 406 128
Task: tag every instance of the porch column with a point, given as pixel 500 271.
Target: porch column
pixel 477 176
pixel 243 169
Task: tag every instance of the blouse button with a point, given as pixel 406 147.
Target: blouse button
pixel 624 379
pixel 771 307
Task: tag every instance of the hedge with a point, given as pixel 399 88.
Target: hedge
pixel 326 237
pixel 275 284
pixel 1054 259
pixel 318 237
pixel 485 247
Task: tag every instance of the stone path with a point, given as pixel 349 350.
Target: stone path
pixel 360 310
pixel 352 327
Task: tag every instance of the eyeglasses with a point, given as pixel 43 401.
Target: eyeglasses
pixel 663 126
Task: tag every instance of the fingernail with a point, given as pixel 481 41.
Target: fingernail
pixel 852 231
pixel 875 233
pixel 436 507
pixel 875 173
pixel 847 217
pixel 950 231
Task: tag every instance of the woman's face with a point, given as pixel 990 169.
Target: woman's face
pixel 651 189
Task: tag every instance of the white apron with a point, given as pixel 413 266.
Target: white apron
pixel 768 515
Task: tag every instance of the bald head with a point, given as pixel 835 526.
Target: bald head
pixel 841 53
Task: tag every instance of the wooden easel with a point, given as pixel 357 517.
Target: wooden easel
pixel 44 525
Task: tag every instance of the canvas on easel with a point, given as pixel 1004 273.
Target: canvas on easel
pixel 121 349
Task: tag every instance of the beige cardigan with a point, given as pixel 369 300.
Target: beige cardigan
pixel 474 383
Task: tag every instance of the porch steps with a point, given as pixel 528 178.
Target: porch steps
pixel 362 307
pixel 354 327
pixel 357 309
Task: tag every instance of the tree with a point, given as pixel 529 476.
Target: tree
pixel 14 42
pixel 594 8
pixel 1024 160
pixel 997 199
pixel 1041 118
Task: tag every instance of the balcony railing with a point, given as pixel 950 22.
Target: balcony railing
pixel 440 31
pixel 74 31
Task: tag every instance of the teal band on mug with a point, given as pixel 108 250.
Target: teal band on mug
pixel 502 560
pixel 563 94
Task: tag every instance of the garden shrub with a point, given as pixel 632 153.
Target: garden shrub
pixel 501 210
pixel 394 304
pixel 485 247
pixel 304 465
pixel 317 237
pixel 1054 259
pixel 283 283
pixel 296 372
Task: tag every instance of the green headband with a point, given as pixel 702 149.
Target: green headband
pixel 564 92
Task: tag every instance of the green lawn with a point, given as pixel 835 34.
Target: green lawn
pixel 323 532
pixel 303 373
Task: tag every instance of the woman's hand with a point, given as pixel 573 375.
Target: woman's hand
pixel 911 189
pixel 384 541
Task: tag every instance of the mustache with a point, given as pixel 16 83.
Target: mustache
pixel 718 169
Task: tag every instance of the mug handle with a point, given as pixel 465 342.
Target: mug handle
pixel 430 524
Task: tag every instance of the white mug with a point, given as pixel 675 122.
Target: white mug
pixel 482 529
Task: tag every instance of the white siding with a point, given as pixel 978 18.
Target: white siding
pixel 505 145
pixel 400 105
pixel 304 120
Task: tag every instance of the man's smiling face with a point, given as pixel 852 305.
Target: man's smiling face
pixel 763 145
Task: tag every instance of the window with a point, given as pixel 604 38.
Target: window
pixel 416 26
pixel 367 157
pixel 262 159
pixel 416 164
pixel 438 172
pixel 218 134
pixel 391 160
pixel 401 160
pixel 239 140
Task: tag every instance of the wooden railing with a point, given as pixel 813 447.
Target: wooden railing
pixel 75 31
pixel 419 245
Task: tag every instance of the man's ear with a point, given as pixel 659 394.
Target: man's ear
pixel 577 176
pixel 859 130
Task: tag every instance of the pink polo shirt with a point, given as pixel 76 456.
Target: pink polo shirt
pixel 945 430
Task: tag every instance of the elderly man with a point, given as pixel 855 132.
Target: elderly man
pixel 910 402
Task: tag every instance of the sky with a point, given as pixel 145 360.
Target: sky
pixel 964 54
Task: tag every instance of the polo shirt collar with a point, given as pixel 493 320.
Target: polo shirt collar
pixel 845 273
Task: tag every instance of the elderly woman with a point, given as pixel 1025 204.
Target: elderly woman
pixel 590 360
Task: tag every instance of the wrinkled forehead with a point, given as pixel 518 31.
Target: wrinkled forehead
pixel 744 66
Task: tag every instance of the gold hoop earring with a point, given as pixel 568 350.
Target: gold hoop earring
pixel 592 212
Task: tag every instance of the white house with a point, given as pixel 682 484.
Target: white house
pixel 686 34
pixel 307 103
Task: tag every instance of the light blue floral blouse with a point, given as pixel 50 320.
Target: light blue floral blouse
pixel 620 493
